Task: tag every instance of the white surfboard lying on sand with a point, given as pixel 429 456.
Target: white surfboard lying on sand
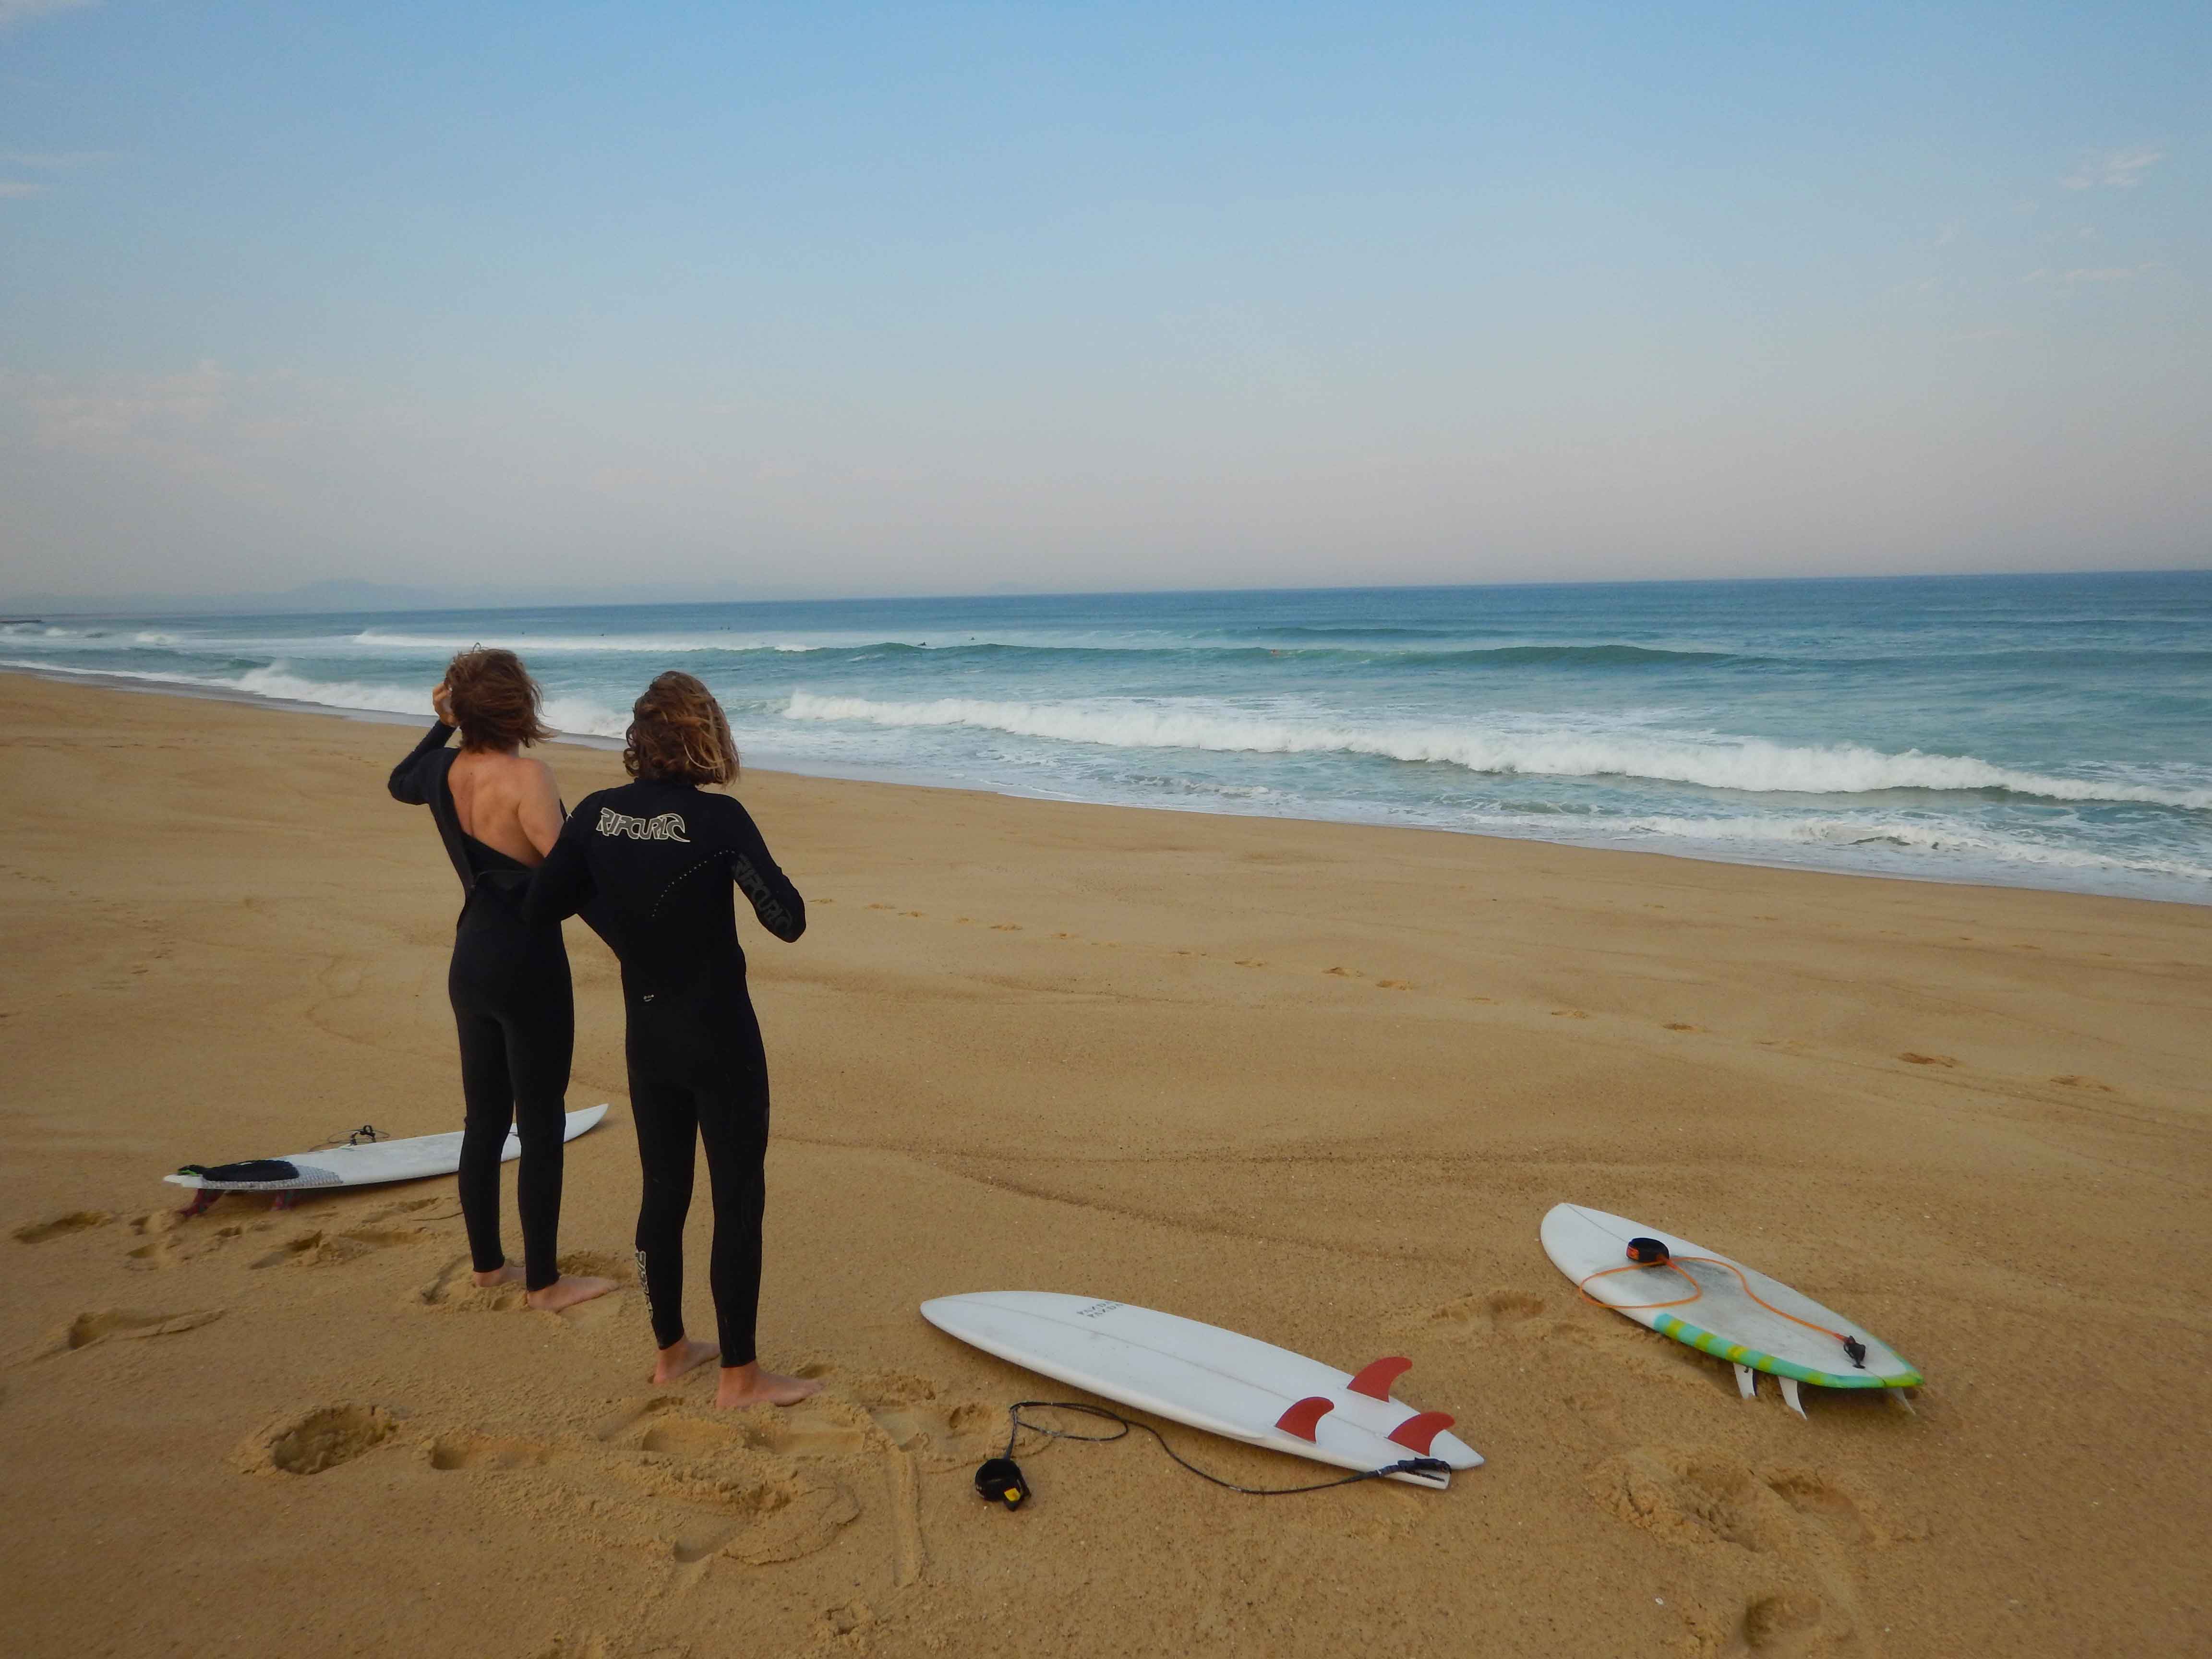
pixel 1720 1307
pixel 1209 1378
pixel 374 1160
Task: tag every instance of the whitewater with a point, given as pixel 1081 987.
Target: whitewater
pixel 2048 730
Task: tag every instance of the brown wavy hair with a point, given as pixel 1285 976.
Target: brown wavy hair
pixel 678 734
pixel 494 700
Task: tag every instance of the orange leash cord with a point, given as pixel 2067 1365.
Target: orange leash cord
pixel 1696 1291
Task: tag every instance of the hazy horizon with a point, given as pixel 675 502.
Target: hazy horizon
pixel 823 302
pixel 349 597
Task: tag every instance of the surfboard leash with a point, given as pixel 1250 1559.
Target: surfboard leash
pixel 1000 1480
pixel 1650 1253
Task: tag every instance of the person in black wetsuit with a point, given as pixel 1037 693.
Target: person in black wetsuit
pixel 498 815
pixel 657 858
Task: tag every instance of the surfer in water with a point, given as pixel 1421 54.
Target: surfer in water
pixel 657 860
pixel 498 814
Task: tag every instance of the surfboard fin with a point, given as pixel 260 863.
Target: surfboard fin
pixel 1746 1382
pixel 1419 1431
pixel 1789 1396
pixel 1306 1414
pixel 1376 1378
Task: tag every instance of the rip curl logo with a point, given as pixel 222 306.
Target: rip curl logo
pixel 667 826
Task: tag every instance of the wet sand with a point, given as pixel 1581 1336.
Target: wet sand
pixel 1315 1082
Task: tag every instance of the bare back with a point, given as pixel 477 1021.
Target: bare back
pixel 506 802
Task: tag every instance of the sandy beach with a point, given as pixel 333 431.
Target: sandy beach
pixel 1314 1082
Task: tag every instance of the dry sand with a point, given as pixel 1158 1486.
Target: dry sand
pixel 1317 1083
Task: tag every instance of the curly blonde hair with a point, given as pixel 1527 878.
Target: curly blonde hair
pixel 678 734
pixel 494 700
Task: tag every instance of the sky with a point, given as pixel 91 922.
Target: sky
pixel 764 299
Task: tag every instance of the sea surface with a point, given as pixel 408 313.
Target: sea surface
pixel 2044 731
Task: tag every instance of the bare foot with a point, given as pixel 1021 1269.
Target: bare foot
pixel 749 1385
pixel 506 1273
pixel 681 1356
pixel 566 1291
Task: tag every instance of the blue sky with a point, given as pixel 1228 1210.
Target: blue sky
pixel 824 299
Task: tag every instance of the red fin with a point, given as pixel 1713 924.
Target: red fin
pixel 1376 1379
pixel 1302 1417
pixel 1418 1432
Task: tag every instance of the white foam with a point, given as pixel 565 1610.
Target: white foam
pixel 1752 765
pixel 1948 837
pixel 627 644
pixel 576 714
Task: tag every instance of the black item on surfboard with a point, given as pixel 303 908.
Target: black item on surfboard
pixel 253 1169
pixel 1648 1252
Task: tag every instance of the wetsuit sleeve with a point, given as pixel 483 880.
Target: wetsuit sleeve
pixel 410 779
pixel 562 884
pixel 775 900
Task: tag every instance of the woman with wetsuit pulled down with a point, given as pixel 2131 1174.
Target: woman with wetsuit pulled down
pixel 498 815
pixel 656 860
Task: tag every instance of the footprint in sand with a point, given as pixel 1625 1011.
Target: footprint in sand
pixel 1912 1058
pixel 1570 1013
pixel 484 1451
pixel 1343 973
pixel 2075 1080
pixel 1681 1025
pixel 1791 1623
pixel 115 1324
pixel 171 1246
pixel 454 1289
pixel 1793 1522
pixel 329 1249
pixel 76 1221
pixel 757 1517
pixel 1706 1496
pixel 1497 1311
pixel 1248 962
pixel 882 907
pixel 1694 1498
pixel 823 1427
pixel 720 1490
pixel 1006 927
pixel 310 1442
pixel 1392 985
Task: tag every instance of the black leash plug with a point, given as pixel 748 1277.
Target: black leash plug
pixel 999 1481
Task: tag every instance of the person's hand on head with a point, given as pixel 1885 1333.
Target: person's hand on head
pixel 441 700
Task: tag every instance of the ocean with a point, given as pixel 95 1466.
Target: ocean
pixel 2038 730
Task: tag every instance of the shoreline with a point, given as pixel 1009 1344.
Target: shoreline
pixel 1316 1082
pixel 921 779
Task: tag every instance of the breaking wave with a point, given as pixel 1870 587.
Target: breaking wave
pixel 579 715
pixel 1751 765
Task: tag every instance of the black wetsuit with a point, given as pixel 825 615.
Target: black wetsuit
pixel 656 862
pixel 513 1002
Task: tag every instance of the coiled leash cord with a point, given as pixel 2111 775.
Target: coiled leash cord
pixel 1650 1253
pixel 1000 1481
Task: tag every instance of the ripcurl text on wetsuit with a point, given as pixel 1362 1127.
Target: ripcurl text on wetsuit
pixel 656 860
pixel 516 1014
